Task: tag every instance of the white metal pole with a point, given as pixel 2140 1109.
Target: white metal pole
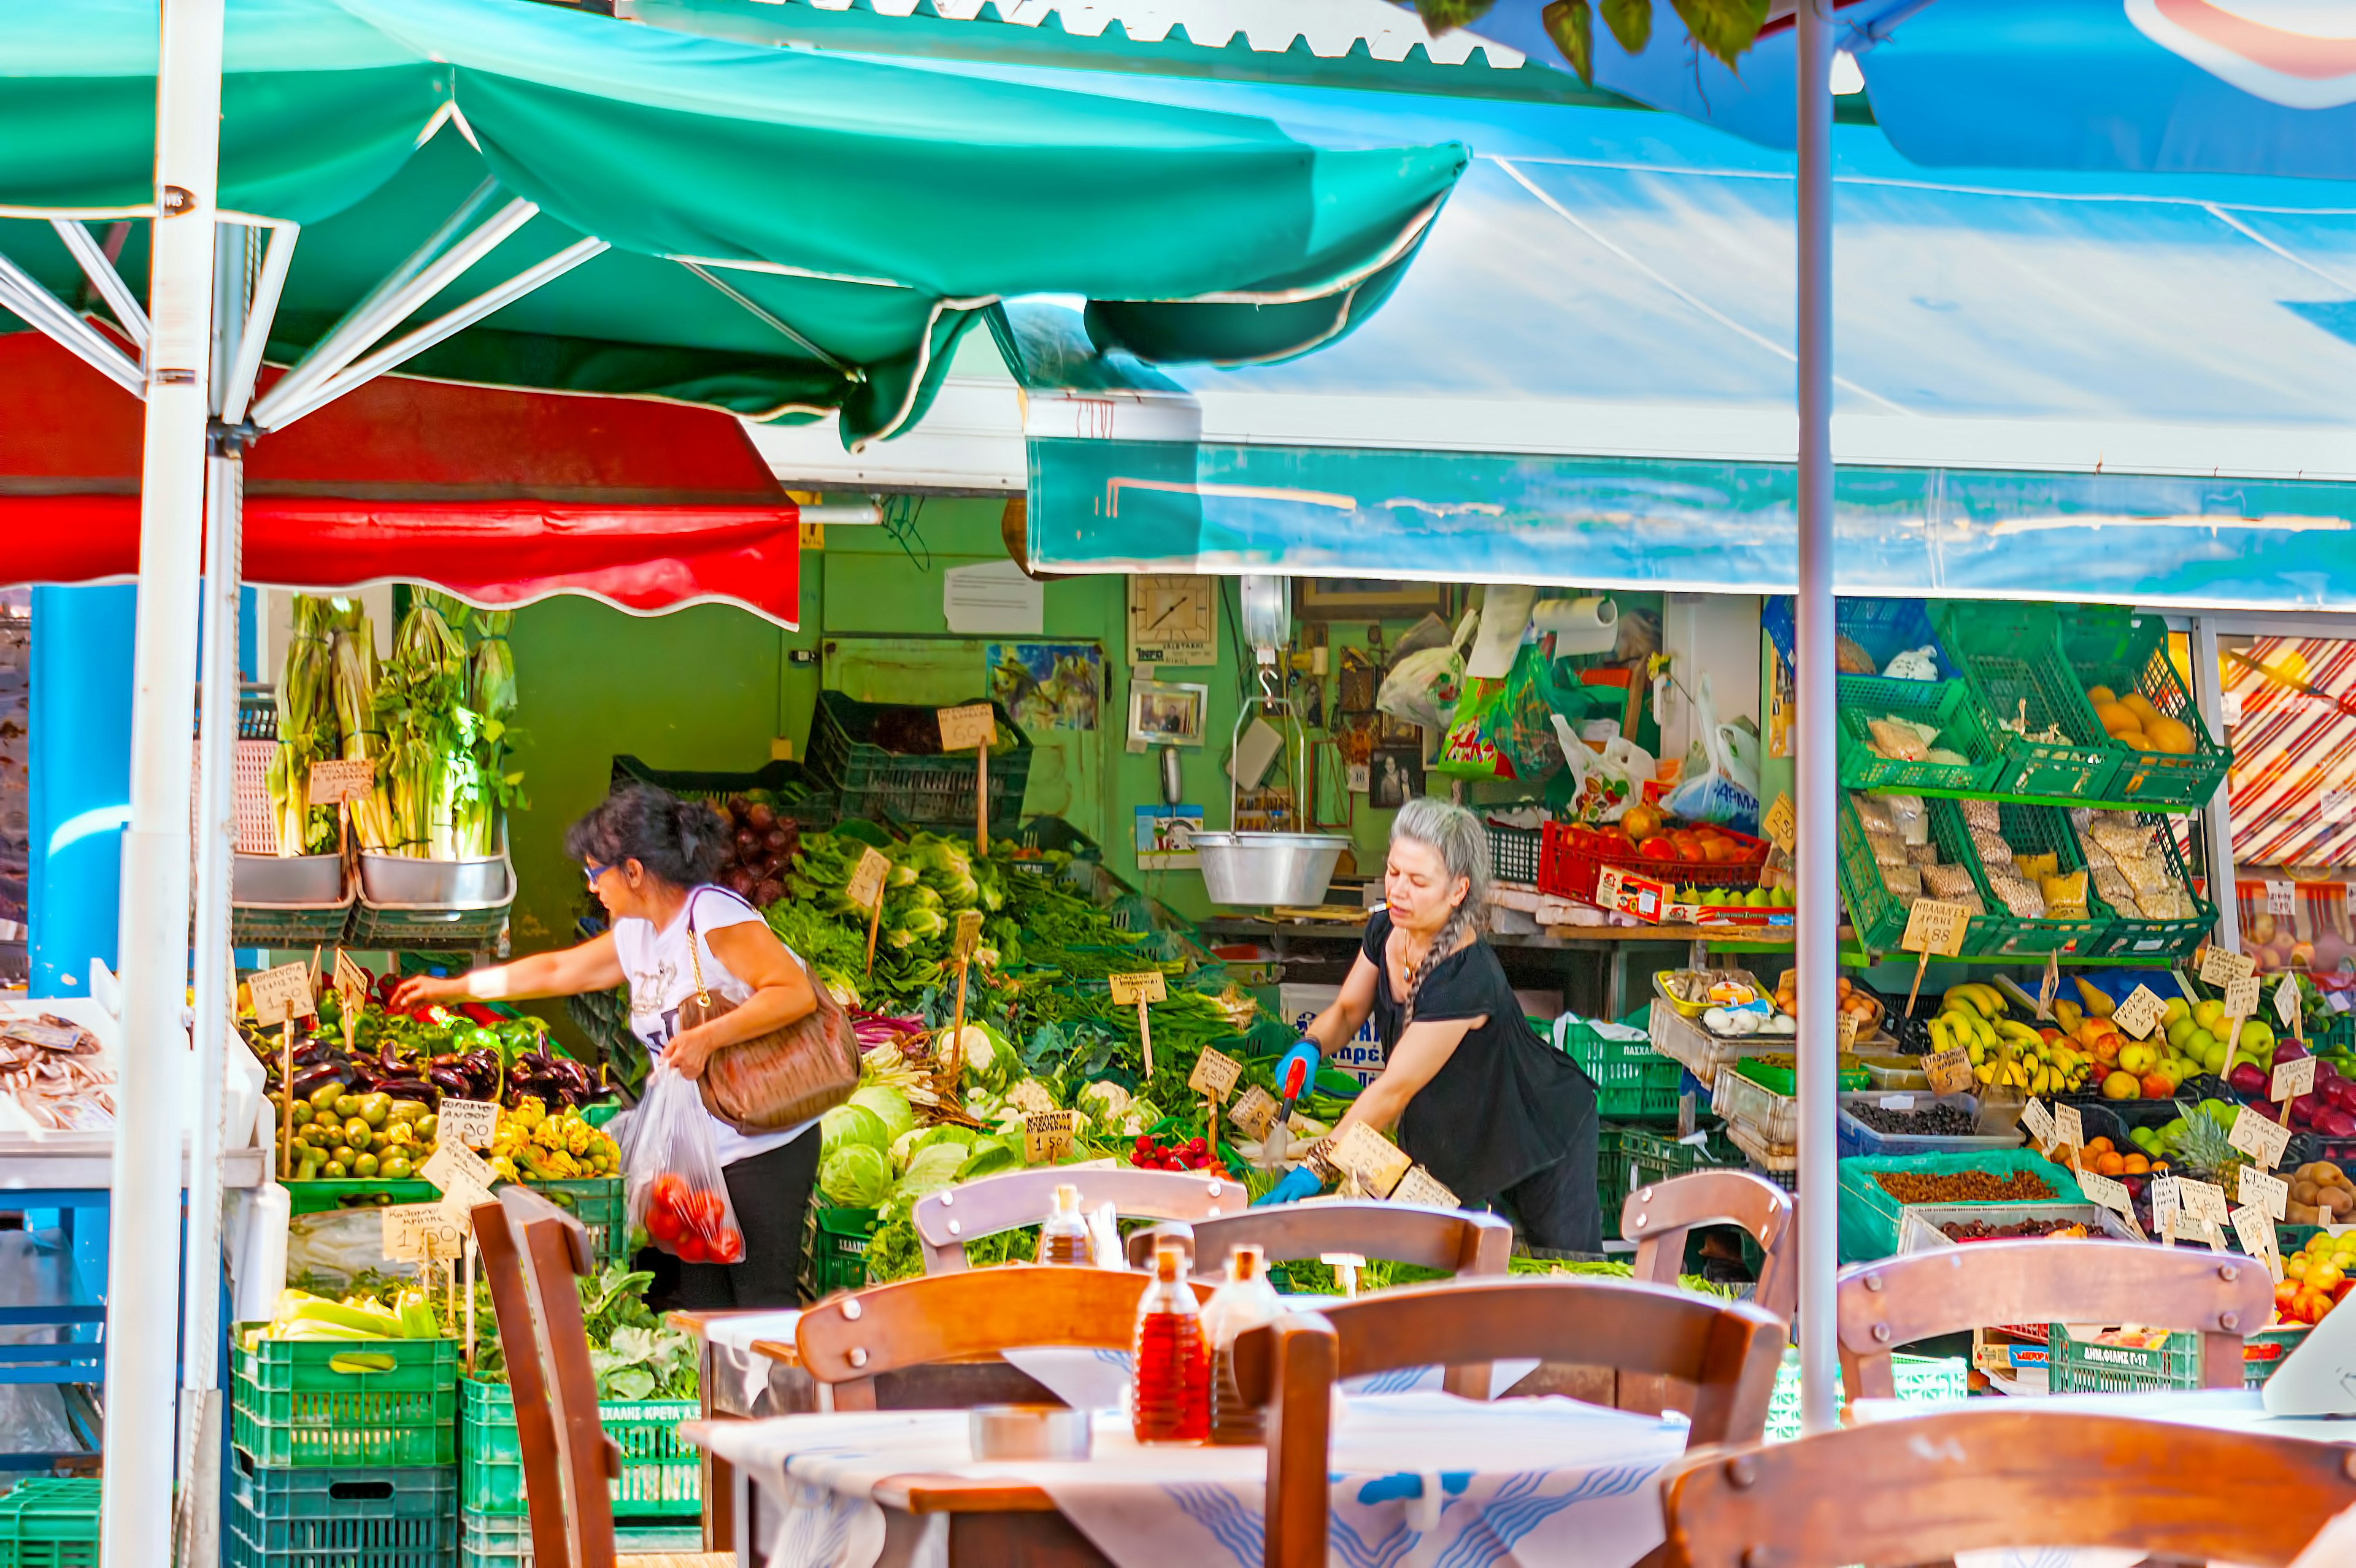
pixel 143 1320
pixel 2217 816
pixel 201 1411
pixel 1815 773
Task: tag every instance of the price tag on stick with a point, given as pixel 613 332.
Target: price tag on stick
pixel 341 781
pixel 2293 1079
pixel 2221 967
pixel 1379 1163
pixel 867 891
pixel 1046 1137
pixel 963 945
pixel 2139 1014
pixel 1214 1074
pixel 2291 1007
pixel 2203 1199
pixel 1255 1112
pixel 2264 1140
pixel 282 994
pixel 2258 1234
pixel 2040 1123
pixel 2112 1195
pixel 466 1124
pixel 2167 1204
pixel 974 725
pixel 1950 1071
pixel 2263 1189
pixel 1138 990
pixel 2242 997
pixel 2069 1128
pixel 1933 928
pixel 1420 1187
pixel 1782 824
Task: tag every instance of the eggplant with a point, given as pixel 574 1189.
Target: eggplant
pixel 450 1080
pixel 308 1082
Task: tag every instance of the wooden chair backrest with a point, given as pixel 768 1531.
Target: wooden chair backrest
pixel 2222 1296
pixel 1659 1217
pixel 532 1250
pixel 947 1220
pixel 1920 1489
pixel 1728 1350
pixel 847 1341
pixel 1465 1243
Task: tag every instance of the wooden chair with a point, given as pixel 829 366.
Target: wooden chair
pixel 848 1341
pixel 1728 1350
pixel 947 1220
pixel 2222 1296
pixel 1456 1240
pixel 1659 1217
pixel 1922 1488
pixel 531 1250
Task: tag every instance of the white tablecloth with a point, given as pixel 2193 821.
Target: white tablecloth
pixel 1418 1480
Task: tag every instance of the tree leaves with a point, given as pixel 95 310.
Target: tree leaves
pixel 1572 25
pixel 1631 22
pixel 1447 15
pixel 1723 27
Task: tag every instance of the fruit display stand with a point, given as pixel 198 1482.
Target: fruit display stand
pixel 2084 1364
pixel 2026 830
pixel 1573 857
pixel 300 1404
pixel 1945 708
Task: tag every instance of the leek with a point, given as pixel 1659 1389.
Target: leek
pixel 306 732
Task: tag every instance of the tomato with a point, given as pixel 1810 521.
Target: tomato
pixel 728 1246
pixel 669 1188
pixel 703 1212
pixel 662 1223
pixel 692 1249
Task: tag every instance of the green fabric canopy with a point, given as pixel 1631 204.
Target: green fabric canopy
pixel 792 233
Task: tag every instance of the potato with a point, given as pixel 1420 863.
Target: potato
pixel 2336 1200
pixel 2303 1191
pixel 2298 1214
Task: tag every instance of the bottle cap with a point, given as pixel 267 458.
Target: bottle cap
pixel 1067 1198
pixel 1246 1262
pixel 1169 1261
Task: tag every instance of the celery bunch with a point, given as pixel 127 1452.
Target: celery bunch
pixel 421 707
pixel 352 664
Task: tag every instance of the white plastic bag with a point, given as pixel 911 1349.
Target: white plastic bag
pixel 1727 792
pixel 1609 781
pixel 1423 687
pixel 672 1177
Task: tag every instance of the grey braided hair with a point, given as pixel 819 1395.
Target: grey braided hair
pixel 1456 836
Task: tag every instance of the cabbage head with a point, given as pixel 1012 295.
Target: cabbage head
pixel 903 1147
pixel 890 1104
pixel 848 1124
pixel 930 1136
pixel 856 1176
pixel 1103 1100
pixel 989 1156
pixel 931 1170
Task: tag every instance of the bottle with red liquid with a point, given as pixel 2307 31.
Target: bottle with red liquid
pixel 1170 1398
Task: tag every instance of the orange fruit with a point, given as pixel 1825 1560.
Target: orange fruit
pixel 2136 1165
pixel 2098 1145
pixel 2110 1164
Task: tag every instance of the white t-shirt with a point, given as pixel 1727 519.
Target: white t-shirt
pixel 661 976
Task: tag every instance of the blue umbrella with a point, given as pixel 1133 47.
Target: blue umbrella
pixel 2242 87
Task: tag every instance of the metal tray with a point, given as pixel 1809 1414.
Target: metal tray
pixel 286 881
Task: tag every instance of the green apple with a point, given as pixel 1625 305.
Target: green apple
pixel 2181 1028
pixel 2209 1015
pixel 2215 1058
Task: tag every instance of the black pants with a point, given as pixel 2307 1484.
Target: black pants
pixel 770 1192
pixel 1555 1208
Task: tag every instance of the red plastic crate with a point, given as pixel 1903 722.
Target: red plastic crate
pixel 1573 857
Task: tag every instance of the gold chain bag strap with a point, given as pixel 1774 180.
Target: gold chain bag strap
pixel 776 1079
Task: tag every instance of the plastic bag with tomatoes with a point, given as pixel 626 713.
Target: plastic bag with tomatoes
pixel 674 1186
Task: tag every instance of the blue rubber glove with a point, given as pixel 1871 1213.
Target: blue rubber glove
pixel 1308 1056
pixel 1300 1182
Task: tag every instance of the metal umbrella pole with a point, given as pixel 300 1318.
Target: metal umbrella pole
pixel 1816 782
pixel 142 1318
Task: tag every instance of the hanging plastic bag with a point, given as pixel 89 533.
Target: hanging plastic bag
pixel 1727 792
pixel 1598 786
pixel 1505 728
pixel 674 1187
pixel 1424 686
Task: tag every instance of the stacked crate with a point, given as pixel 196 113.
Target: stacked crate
pixel 660 1471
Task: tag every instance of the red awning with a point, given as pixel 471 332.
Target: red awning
pixel 501 497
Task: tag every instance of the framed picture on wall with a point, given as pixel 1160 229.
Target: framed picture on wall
pixel 1167 713
pixel 1366 599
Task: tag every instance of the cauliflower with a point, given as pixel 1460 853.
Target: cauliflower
pixel 1029 1096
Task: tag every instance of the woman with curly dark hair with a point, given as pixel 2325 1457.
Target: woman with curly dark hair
pixel 649 858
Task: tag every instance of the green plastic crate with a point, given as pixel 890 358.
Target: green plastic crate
pixel 2081 1366
pixel 1877 914
pixel 2028 830
pixel 1613 1177
pixel 50 1522
pixel 661 1473
pixel 834 1250
pixel 1919 1380
pixel 597 1202
pixel 2128 653
pixel 291 1408
pixel 1785 1080
pixel 1634 1083
pixel 2011 654
pixel 1947 704
pixel 2134 936
pixel 331 1516
pixel 913 789
pixel 494 1541
pixel 1653 1156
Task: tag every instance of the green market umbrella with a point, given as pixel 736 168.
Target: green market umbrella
pixel 595 207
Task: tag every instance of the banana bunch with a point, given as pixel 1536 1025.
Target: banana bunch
pixel 2005 1052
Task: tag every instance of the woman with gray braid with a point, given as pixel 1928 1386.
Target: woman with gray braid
pixel 1497 1114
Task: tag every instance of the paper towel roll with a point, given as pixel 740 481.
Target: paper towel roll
pixel 1587 624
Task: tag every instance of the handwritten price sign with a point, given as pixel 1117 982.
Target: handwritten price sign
pixel 282 994
pixel 332 782
pixel 963 729
pixel 1932 927
pixel 2140 1013
pixel 866 889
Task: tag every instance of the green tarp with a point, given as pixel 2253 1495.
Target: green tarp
pixel 866 213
